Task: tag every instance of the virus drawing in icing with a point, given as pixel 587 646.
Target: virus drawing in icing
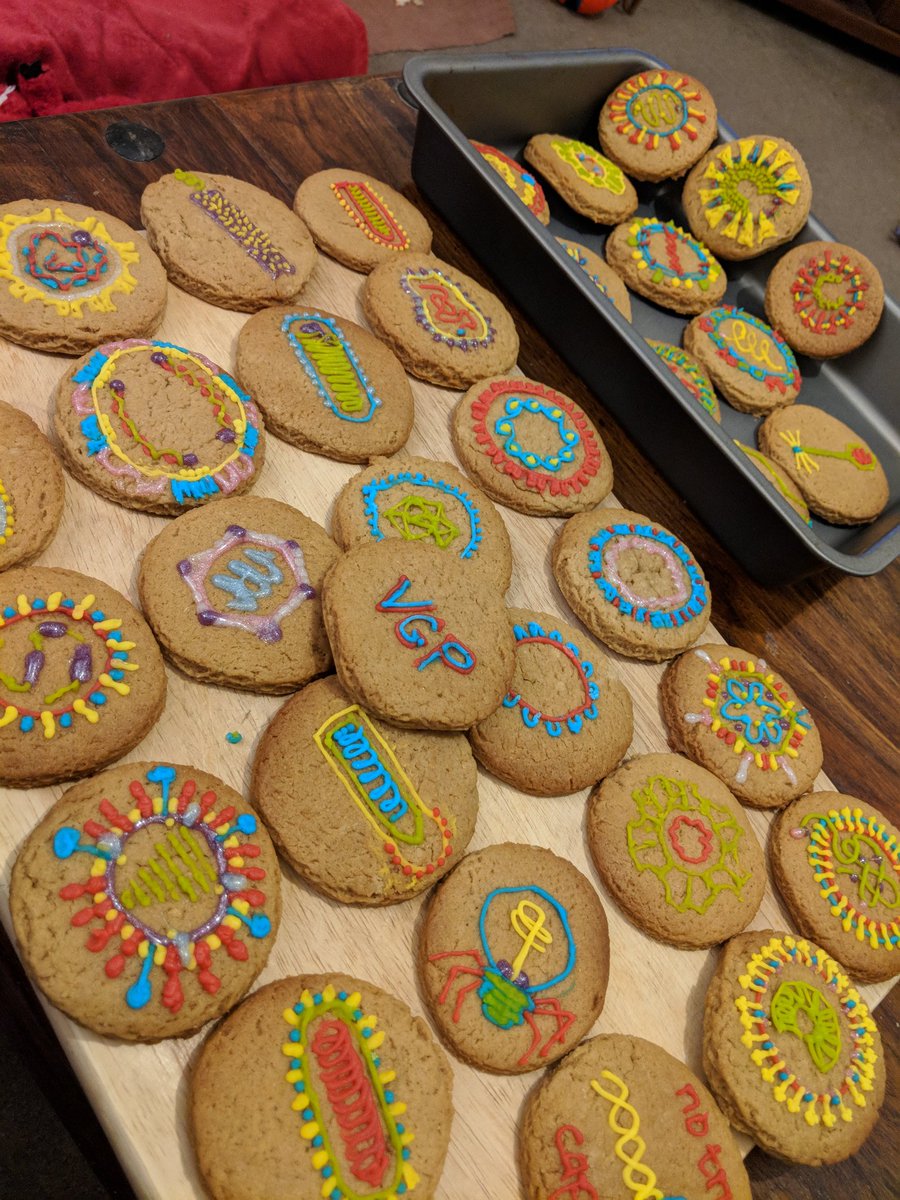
pixel 325 354
pixel 670 256
pixel 370 214
pixel 751 346
pixel 563 652
pixel 828 292
pixel 687 596
pixel 444 311
pixel 656 108
pixel 766 169
pixel 420 514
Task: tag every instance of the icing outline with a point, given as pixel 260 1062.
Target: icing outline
pixel 655 108
pixel 690 595
pixel 590 166
pixel 430 289
pixel 418 479
pixel 671 272
pixel 370 214
pixel 689 374
pixel 535 634
pixel 747 344
pixel 332 366
pixel 512 174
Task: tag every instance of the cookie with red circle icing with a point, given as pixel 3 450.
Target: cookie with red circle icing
pixel 749 362
pixel 588 182
pixel 600 273
pixel 661 262
pixel 520 181
pixel 688 371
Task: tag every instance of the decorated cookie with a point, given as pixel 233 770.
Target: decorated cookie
pixel 688 371
pixel 746 197
pixel 836 861
pixel 676 851
pixel 32 489
pixel 419 500
pixel 71 277
pixel 749 362
pixel 591 184
pixel 156 427
pixel 522 183
pixel 365 812
pixel 600 274
pixel 233 592
pixel 565 721
pixel 415 640
pixel 81 678
pixel 146 901
pixel 657 124
pixel 732 713
pixel 778 479
pixel 666 265
pixel 442 325
pixel 790 1050
pixel 827 299
pixel 622 1118
pixel 530 447
pixel 325 384
pixel 351 1096
pixel 514 958
pixel 359 220
pixel 836 472
pixel 226 241
pixel 635 585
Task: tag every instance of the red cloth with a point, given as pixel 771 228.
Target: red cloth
pixel 112 52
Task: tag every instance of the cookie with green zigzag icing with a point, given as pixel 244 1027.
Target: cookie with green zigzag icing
pixel 589 183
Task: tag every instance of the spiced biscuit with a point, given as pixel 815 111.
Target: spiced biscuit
pixel 293 1133
pixel 359 220
pixel 571 1142
pixel 233 592
pixel 836 861
pixel 600 274
pixel 32 489
pixel 528 931
pixel 836 472
pixel 419 500
pixel 688 371
pixel 325 384
pixel 790 1050
pixel 565 721
pixel 137 906
pixel 72 277
pixel 365 812
pixel 442 325
pixel 730 712
pixel 635 585
pixel 414 640
pixel 662 263
pixel 521 182
pixel 589 183
pixel 81 678
pixel 226 241
pixel 156 427
pixel 749 362
pixel 530 447
pixel 769 470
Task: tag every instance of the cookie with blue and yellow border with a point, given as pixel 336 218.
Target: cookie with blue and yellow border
pixel 32 489
pixel 690 374
pixel 600 273
pixel 749 362
pixel 519 180
pixel 662 263
pixel 588 182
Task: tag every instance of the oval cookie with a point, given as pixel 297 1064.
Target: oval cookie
pixel 664 264
pixel 601 275
pixel 749 362
pixel 589 183
pixel 690 374
pixel 32 489
pixel 521 182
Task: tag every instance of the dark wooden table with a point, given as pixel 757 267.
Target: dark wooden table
pixel 834 636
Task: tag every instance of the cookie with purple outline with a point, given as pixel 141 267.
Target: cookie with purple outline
pixel 590 183
pixel 663 263
pixel 749 362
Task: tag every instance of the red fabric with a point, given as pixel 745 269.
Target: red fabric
pixel 112 52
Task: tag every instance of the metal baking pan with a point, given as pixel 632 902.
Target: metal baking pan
pixel 505 99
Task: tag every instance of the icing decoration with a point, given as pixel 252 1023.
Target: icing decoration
pixel 370 214
pixel 751 346
pixel 696 1123
pixel 655 108
pixel 325 354
pixel 763 166
pixel 66 264
pixel 574 1167
pixel 233 737
pixel 690 843
pixel 844 1037
pixel 444 311
pixel 166 855
pixel 777 479
pixel 588 165
pixel 585 710
pixel 671 256
pixel 7 516
pixel 239 226
pixel 114 439
pixel 828 292
pixel 415 517
pixel 382 791
pixel 346 1098
pixel 451 651
pixel 266 562
pixel 77 649
pixel 508 997
pixel 857 454
pixel 575 253
pixel 630 1146
pixel 687 594
pixel 689 374
pixel 505 426
pixel 516 177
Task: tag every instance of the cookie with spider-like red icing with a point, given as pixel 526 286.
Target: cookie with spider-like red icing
pixel 663 263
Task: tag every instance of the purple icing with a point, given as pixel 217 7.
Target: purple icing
pixel 81 237
pixel 159 359
pixel 184 567
pixel 207 617
pixel 52 629
pixel 237 530
pixel 269 633
pixel 225 435
pixel 34 664
pixel 190 460
pixel 291 544
pixel 117 386
pixel 81 666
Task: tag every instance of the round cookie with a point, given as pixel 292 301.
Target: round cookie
pixel 790 1050
pixel 635 585
pixel 71 277
pixel 226 241
pixel 146 901
pixel 690 374
pixel 359 220
pixel 32 489
pixel 530 447
pixel 233 592
pixel 836 861
pixel 826 298
pixel 522 183
pixel 526 929
pixel 366 813
pixel 294 1133
pixel 778 480
pixel 81 678
pixel 155 427
pixel 442 325
pixel 664 264
pixel 834 469
pixel 579 1133
pixel 731 713
pixel 746 197
pixel 656 124
pixel 749 362
pixel 676 851
pixel 565 721
pixel 325 384
pixel 600 274
pixel 414 641
pixel 591 184
pixel 419 500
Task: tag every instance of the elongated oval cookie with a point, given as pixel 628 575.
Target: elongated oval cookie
pixel 661 262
